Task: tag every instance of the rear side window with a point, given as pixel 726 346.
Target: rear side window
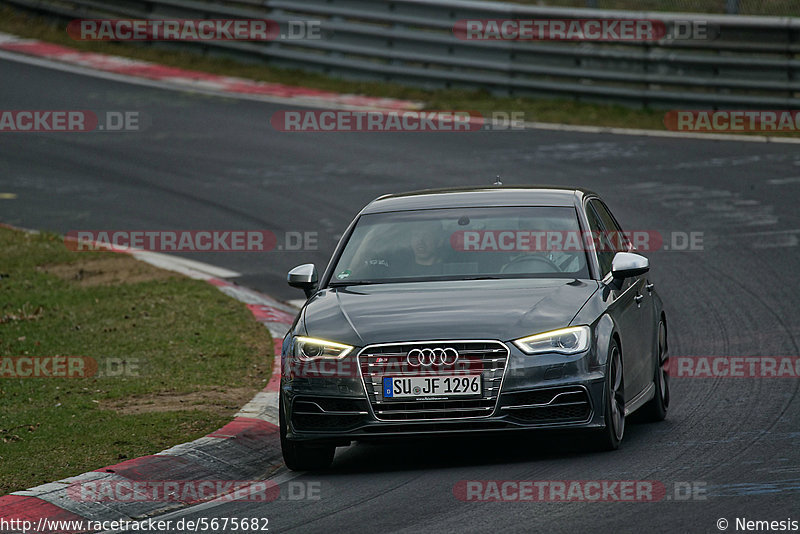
pixel 609 223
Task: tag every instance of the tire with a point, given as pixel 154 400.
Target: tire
pixel 299 456
pixel 656 409
pixel 610 437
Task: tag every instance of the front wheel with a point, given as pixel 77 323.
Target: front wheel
pixel 610 437
pixel 299 456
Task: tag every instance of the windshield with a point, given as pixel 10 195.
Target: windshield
pixel 463 244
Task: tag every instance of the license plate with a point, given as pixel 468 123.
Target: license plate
pixel 431 386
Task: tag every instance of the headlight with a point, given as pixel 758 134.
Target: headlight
pixel 309 348
pixel 570 340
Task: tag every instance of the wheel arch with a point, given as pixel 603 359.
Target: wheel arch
pixel 606 331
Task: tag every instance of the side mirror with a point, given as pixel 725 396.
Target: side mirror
pixel 304 277
pixel 627 265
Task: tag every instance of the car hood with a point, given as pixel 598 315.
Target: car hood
pixel 484 309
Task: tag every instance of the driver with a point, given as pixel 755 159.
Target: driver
pixel 427 241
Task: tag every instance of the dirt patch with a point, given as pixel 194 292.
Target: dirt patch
pixel 217 400
pixel 106 270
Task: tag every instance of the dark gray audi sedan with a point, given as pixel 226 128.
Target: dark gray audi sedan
pixel 473 310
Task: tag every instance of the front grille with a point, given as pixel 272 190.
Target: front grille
pixel 488 358
pixel 551 405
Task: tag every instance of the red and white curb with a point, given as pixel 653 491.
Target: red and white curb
pixel 245 450
pixel 147 73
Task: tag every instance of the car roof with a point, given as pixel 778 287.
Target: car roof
pixel 511 195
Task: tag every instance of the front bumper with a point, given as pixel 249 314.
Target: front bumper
pixel 549 391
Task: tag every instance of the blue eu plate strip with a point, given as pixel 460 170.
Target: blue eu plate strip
pixel 387 387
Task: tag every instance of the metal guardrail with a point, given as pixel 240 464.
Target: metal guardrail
pixel 753 61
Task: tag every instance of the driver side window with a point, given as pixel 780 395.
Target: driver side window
pixel 605 254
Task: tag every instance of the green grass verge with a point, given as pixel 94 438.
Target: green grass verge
pixel 192 356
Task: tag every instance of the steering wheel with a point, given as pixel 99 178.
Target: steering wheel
pixel 519 261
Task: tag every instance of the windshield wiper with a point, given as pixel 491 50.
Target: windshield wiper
pixel 343 283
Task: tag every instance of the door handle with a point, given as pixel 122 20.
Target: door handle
pixel 638 298
pixel 649 287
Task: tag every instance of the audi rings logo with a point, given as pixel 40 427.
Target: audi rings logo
pixel 428 357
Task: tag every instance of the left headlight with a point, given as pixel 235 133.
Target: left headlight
pixel 570 340
pixel 309 348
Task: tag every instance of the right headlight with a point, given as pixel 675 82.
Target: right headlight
pixel 570 340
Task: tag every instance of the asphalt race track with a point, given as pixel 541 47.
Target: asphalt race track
pixel 215 163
